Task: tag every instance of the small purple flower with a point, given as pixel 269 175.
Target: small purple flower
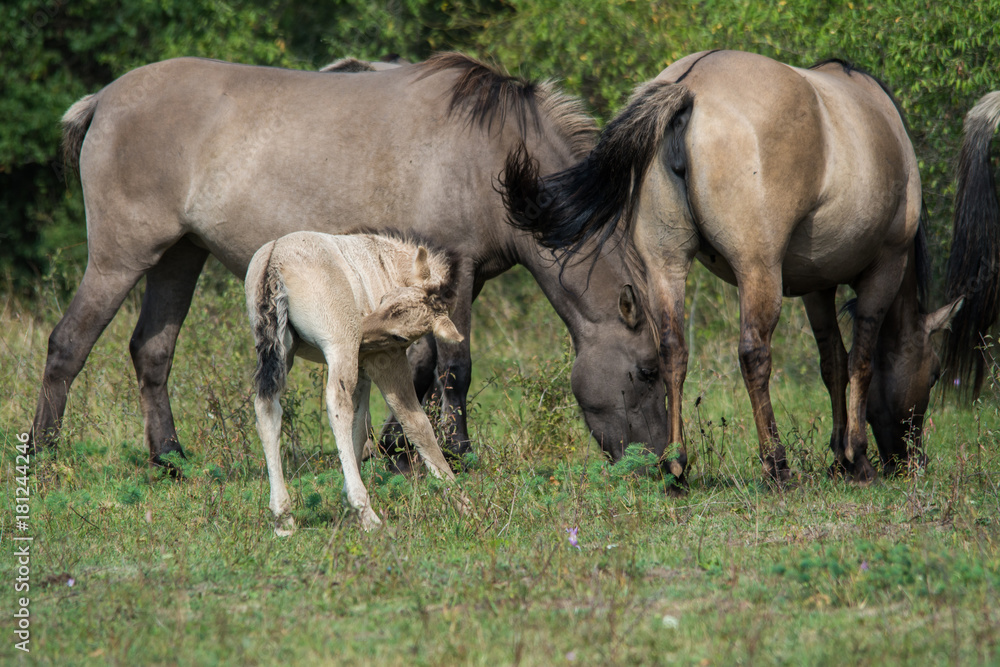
pixel 957 382
pixel 864 566
pixel 572 537
pixel 71 581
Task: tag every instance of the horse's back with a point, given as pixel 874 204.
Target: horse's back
pixel 234 156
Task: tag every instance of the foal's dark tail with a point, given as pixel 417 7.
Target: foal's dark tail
pixel 75 123
pixel 566 209
pixel 974 264
pixel 269 320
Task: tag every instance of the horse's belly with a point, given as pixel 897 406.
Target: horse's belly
pixel 820 258
pixel 813 261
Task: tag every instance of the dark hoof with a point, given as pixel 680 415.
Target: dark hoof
pixel 862 471
pixel 400 464
pixel 838 470
pixel 674 471
pixel 162 460
pixel 777 471
pixel 454 454
pixel 678 488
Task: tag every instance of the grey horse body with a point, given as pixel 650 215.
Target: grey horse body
pixel 188 157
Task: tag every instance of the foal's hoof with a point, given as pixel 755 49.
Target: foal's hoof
pixel 370 520
pixel 284 526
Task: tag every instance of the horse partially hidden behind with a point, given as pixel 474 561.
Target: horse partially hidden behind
pixel 783 181
pixel 355 302
pixel 189 157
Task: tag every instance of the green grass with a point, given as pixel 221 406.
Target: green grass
pixel 165 572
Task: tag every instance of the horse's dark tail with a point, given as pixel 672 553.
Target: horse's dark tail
pixel 974 264
pixel 75 123
pixel 269 321
pixel 565 209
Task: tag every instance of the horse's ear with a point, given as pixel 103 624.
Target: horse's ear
pixel 628 306
pixel 445 330
pixel 941 318
pixel 421 269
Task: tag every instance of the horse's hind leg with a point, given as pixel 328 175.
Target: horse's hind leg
pixel 268 412
pixel 345 408
pixel 362 418
pixel 822 312
pixel 169 288
pixel 98 298
pixel 760 308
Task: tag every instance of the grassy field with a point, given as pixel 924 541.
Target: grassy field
pixel 130 567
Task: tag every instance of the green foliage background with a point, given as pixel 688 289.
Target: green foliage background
pixel 939 57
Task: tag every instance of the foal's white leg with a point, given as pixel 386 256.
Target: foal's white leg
pixel 391 373
pixel 269 428
pixel 342 399
pixel 362 419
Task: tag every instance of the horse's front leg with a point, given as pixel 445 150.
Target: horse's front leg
pixel 422 356
pixel 822 312
pixel 454 367
pixel 673 362
pixel 760 308
pixel 876 291
pixel 391 373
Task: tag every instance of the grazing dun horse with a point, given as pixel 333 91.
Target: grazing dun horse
pixel 188 157
pixel 785 182
pixel 355 303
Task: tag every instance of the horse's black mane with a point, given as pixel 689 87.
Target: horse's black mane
pixel 488 94
pixel 923 259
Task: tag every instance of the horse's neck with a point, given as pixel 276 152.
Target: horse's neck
pixel 574 299
pixel 582 293
pixel 903 317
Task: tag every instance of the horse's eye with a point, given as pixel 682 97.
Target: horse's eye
pixel 398 338
pixel 647 374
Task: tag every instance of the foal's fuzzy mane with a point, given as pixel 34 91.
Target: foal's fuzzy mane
pixel 446 258
pixel 489 94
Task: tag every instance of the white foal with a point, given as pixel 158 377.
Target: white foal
pixel 356 303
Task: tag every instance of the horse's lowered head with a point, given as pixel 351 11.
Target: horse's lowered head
pixel 617 376
pixel 410 312
pixel 617 382
pixel 905 368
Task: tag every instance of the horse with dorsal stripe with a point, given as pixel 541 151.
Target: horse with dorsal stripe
pixel 785 182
